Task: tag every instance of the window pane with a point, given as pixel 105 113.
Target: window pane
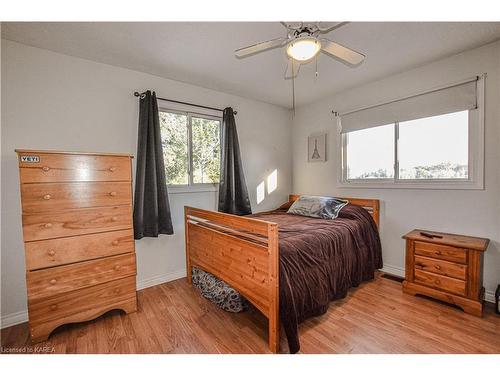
pixel 434 147
pixel 206 150
pixel 370 153
pixel 174 137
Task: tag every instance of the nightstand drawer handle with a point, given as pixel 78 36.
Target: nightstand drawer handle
pixel 48 225
pixel 114 218
pixel 45 169
pixel 52 253
pixel 53 307
pixel 112 169
pixel 437 282
pixel 117 290
pixel 53 281
pixel 438 252
pixel 47 197
pixel 114 243
pixel 438 267
pixel 113 193
pixel 117 267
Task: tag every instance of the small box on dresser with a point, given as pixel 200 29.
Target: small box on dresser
pixel 448 267
pixel 78 236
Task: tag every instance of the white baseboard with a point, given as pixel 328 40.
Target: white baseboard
pixel 393 270
pixel 152 281
pixel 22 316
pixel 14 319
pixel 489 295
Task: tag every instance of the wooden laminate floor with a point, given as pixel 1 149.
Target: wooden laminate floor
pixel 374 318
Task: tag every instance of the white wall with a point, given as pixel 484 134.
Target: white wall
pixel 54 101
pixel 474 213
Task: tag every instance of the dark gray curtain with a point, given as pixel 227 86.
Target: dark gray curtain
pixel 233 194
pixel 151 207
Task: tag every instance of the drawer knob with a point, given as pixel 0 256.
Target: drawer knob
pixel 45 169
pixel 113 193
pixel 114 218
pixel 117 267
pixel 53 307
pixel 438 267
pixel 438 252
pixel 112 169
pixel 52 253
pixel 114 243
pixel 53 281
pixel 48 225
pixel 117 290
pixel 438 282
pixel 47 197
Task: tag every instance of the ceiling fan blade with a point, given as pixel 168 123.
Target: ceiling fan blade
pixel 288 69
pixel 292 25
pixel 259 47
pixel 344 54
pixel 328 29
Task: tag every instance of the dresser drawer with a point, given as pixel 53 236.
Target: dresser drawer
pixel 65 196
pixel 70 167
pixel 445 283
pixel 97 298
pixel 60 251
pixel 76 222
pixel 441 267
pixel 450 253
pixel 52 281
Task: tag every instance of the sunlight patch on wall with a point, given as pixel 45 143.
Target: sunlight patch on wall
pixel 261 192
pixel 272 181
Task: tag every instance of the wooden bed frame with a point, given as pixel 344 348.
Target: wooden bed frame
pixel 244 252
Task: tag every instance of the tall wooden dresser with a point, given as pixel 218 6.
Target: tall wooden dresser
pixel 78 236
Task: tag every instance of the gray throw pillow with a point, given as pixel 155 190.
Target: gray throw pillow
pixel 319 207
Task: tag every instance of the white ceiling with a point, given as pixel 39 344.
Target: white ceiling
pixel 202 53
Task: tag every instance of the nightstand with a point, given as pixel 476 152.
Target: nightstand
pixel 448 267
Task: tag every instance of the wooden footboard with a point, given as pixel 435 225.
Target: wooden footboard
pixel 244 252
pixel 241 251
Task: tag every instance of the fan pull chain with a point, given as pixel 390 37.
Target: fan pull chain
pixel 316 61
pixel 293 86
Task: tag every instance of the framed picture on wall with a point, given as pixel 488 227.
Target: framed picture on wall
pixel 316 148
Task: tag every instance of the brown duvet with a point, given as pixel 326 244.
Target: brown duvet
pixel 320 260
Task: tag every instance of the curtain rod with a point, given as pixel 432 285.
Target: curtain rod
pixel 472 79
pixel 139 94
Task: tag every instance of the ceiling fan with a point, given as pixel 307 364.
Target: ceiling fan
pixel 303 42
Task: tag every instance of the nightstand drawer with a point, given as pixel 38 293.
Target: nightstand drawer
pixel 448 284
pixel 441 267
pixel 449 253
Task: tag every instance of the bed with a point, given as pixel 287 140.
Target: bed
pixel 288 266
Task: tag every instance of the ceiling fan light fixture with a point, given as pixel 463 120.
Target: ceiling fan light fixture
pixel 303 49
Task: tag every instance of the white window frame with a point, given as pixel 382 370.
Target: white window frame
pixel 192 187
pixel 475 180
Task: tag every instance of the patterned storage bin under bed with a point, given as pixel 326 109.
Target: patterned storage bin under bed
pixel 219 292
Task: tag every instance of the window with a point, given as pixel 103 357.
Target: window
pixel 434 147
pixel 370 153
pixel 191 148
pixel 431 151
pixel 431 148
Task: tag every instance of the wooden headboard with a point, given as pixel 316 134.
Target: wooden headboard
pixel 370 205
